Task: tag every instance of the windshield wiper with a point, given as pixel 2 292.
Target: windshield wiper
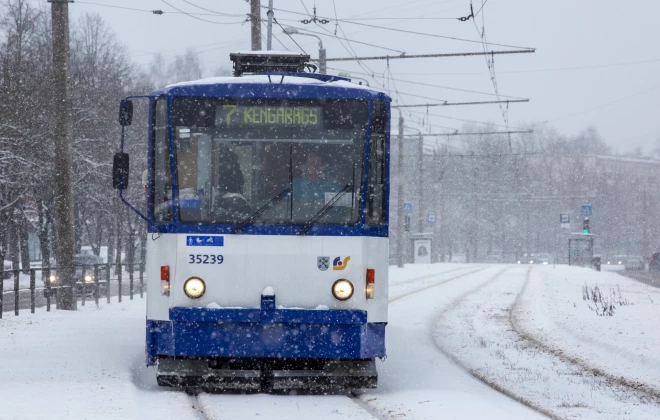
pixel 325 209
pixel 253 217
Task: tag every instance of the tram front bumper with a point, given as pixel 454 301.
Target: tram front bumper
pixel 286 348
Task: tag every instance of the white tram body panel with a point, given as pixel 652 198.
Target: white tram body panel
pixel 250 263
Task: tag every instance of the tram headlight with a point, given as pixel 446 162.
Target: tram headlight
pixel 342 289
pixel 194 287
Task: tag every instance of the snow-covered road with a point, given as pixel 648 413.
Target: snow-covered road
pixel 446 320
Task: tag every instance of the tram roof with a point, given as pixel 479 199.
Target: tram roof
pixel 276 85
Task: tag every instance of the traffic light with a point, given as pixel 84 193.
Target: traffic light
pixel 585 226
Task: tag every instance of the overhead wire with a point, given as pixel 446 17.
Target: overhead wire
pixel 444 87
pixel 346 39
pixel 593 66
pixel 606 104
pixel 352 52
pixel 465 120
pixel 213 11
pixel 275 36
pixel 201 19
pixel 481 8
pixel 289 35
pixel 490 64
pixel 413 32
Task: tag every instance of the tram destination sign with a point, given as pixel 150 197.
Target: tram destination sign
pixel 265 115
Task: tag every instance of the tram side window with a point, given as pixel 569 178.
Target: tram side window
pixel 162 194
pixel 376 185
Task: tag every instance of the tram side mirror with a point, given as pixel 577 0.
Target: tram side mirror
pixel 376 195
pixel 125 112
pixel 120 171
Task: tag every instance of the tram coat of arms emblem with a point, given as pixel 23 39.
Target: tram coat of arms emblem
pixel 322 263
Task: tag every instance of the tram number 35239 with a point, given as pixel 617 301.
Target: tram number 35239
pixel 205 259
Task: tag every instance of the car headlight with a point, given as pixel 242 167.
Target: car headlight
pixel 545 263
pixel 342 289
pixel 89 278
pixel 52 278
pixel 531 262
pixel 194 287
pixel 518 262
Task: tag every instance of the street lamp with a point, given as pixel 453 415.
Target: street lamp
pixel 289 30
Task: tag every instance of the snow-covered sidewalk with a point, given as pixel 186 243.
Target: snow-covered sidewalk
pixel 80 365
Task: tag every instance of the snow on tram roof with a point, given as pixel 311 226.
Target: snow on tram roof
pixel 271 52
pixel 274 79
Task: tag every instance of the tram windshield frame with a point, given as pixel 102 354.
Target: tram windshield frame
pixel 298 158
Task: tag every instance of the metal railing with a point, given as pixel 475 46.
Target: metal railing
pixel 95 280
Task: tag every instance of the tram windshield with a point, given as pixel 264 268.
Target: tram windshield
pixel 269 161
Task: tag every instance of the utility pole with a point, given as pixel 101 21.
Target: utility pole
pixel 323 63
pixel 255 22
pixel 269 38
pixel 64 221
pixel 400 249
pixel 420 184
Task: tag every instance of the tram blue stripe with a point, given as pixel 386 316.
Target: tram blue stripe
pixel 265 332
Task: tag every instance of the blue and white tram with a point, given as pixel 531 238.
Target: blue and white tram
pixel 267 256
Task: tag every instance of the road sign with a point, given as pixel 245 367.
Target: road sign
pixel 431 217
pixel 565 221
pixel 586 210
pixel 407 208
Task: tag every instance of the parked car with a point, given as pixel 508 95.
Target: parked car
pixel 526 259
pixel 84 274
pixel 654 262
pixel 542 258
pixel 618 260
pixel 635 263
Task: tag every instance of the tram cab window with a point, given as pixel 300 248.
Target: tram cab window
pixel 233 157
pixel 376 182
pixel 162 191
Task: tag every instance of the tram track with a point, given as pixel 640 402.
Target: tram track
pixel 643 391
pixel 434 284
pixel 203 411
pixel 473 372
pixel 354 395
pixel 426 276
pixel 606 384
pixel 197 408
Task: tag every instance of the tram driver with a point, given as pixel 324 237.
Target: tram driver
pixel 313 183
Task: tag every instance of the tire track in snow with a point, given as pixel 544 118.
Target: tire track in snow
pixel 648 393
pixel 198 408
pixel 473 372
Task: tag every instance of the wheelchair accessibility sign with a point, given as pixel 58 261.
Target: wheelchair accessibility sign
pixel 195 240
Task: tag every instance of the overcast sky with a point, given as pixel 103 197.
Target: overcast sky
pixel 613 43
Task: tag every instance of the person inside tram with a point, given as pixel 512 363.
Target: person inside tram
pixel 313 183
pixel 230 185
